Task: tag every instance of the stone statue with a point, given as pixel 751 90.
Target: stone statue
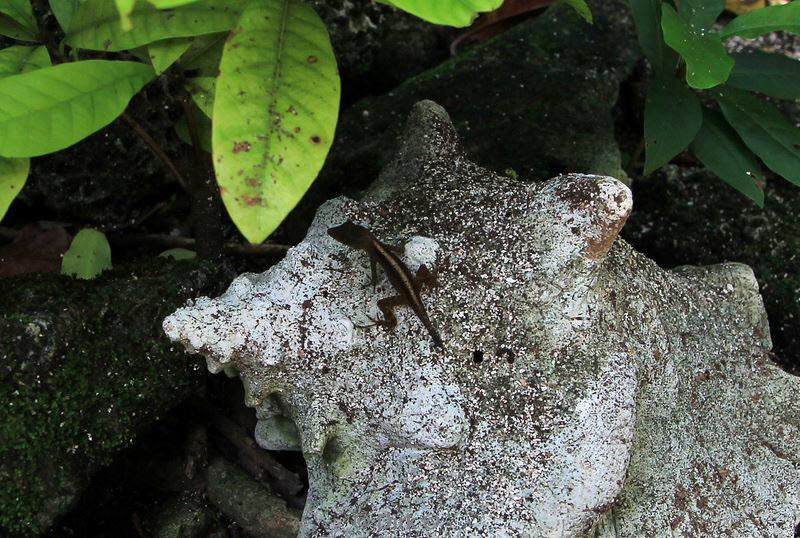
pixel 580 391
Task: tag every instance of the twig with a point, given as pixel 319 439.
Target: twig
pixel 156 149
pixel 206 211
pixel 171 241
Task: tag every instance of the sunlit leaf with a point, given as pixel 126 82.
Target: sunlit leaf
pixel 723 152
pixel 19 59
pixel 707 63
pixel 275 112
pixel 761 21
pixel 672 117
pixel 88 255
pixel 775 75
pixel 79 98
pixel 95 24
pixel 765 130
pixel 13 173
pixel 447 12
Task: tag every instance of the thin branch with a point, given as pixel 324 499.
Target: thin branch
pixel 156 149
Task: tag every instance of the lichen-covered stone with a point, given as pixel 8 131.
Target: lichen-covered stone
pixel 581 388
pixel 84 367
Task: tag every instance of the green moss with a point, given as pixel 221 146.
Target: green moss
pixel 85 367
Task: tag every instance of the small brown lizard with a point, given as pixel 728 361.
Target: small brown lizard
pixel 407 285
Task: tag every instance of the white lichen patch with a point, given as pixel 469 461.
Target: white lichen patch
pixel 580 389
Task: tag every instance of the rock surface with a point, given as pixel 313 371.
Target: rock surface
pixel 581 389
pixel 84 369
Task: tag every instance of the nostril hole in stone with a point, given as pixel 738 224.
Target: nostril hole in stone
pixel 507 353
pixel 477 356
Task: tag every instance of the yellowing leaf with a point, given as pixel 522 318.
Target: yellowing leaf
pixel 275 111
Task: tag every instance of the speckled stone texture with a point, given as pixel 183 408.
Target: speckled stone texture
pixel 582 390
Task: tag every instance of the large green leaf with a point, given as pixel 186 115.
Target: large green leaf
pixel 707 63
pixel 51 108
pixel 647 15
pixel 13 173
pixel 761 21
pixel 19 59
pixel 88 255
pixel 724 153
pixel 700 14
pixel 447 12
pixel 163 54
pixel 775 75
pixel 95 24
pixel 275 111
pixel 21 13
pixel 765 131
pixel 672 117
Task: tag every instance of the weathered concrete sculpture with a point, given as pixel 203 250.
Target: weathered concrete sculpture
pixel 581 388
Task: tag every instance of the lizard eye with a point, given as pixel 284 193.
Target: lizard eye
pixel 477 356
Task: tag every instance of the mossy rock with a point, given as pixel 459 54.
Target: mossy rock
pixel 85 367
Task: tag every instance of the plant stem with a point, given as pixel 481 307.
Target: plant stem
pixel 206 211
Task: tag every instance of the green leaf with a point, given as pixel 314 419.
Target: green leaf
pixel 64 10
pixel 647 16
pixel 167 4
pixel 95 24
pixel 21 13
pixel 447 12
pixel 775 75
pixel 88 255
pixel 765 131
pixel 164 53
pixel 203 127
pixel 768 19
pixel 203 56
pixel 275 111
pixel 672 117
pixel 124 8
pixel 700 14
pixel 178 254
pixel 20 59
pixel 581 7
pixel 202 91
pixel 707 63
pixel 13 173
pixel 78 98
pixel 723 152
pixel 11 28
